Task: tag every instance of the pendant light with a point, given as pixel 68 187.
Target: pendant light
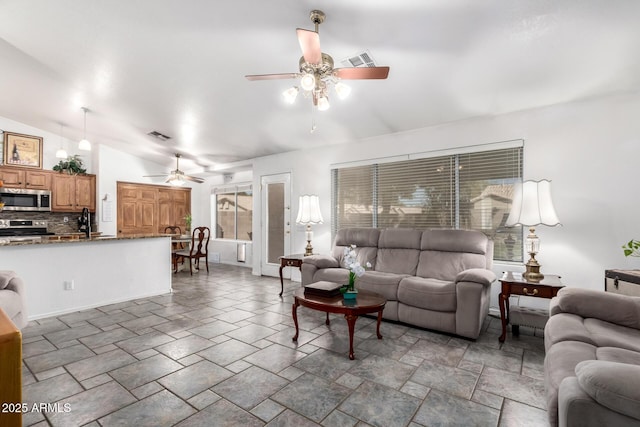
pixel 61 153
pixel 84 144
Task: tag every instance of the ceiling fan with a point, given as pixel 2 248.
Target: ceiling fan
pixel 177 177
pixel 316 69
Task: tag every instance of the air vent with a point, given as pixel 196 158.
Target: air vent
pixel 363 59
pixel 158 135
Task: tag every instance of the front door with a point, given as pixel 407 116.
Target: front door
pixel 276 221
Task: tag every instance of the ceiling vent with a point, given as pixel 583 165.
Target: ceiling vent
pixel 158 135
pixel 363 59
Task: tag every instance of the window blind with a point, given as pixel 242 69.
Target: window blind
pixel 463 190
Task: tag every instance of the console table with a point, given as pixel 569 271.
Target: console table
pixel 515 284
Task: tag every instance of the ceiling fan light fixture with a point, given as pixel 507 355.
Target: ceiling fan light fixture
pixel 290 94
pixel 84 144
pixel 308 81
pixel 323 103
pixel 176 180
pixel 342 90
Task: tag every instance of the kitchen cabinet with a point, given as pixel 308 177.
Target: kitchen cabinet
pixel 72 193
pixel 24 178
pixel 148 209
pixel 173 205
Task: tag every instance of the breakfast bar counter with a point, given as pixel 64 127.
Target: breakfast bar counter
pixel 63 276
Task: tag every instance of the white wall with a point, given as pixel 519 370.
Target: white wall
pixel 50 144
pixel 589 150
pixel 113 166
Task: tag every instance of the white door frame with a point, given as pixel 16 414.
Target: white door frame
pixel 272 269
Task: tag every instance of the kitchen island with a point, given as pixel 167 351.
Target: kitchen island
pixel 63 276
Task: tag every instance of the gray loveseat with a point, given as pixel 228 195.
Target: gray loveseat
pixel 12 298
pixel 592 362
pixel 435 279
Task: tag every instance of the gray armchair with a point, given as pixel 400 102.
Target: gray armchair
pixel 12 299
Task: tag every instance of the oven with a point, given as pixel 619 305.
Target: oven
pixel 21 199
pixel 17 230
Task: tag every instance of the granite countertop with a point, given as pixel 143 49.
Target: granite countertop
pixel 48 240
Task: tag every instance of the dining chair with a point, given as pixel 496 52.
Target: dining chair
pixel 199 248
pixel 175 246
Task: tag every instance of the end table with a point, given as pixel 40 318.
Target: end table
pixel 294 260
pixel 515 284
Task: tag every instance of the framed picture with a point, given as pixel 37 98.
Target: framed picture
pixel 22 150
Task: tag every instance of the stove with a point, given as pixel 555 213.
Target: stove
pixel 23 229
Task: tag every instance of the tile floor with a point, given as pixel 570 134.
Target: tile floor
pixel 218 352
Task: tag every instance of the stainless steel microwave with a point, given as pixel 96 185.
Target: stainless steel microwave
pixel 21 199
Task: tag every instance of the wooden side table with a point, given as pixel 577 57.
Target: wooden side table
pixel 514 284
pixel 294 260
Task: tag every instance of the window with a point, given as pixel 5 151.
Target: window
pixel 233 212
pixel 463 190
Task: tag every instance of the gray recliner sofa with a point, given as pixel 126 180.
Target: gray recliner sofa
pixel 435 279
pixel 592 362
pixel 12 299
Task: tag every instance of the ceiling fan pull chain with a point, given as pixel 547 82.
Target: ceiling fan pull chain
pixel 313 119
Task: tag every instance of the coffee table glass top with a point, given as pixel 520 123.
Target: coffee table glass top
pixel 364 299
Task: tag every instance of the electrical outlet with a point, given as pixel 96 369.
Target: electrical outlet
pixel 69 285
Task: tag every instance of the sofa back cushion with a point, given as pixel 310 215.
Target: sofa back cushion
pixel 445 253
pixel 398 251
pixel 365 239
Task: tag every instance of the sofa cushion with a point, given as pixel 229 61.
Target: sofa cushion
pixel 606 334
pixel 398 251
pixel 10 302
pixel 5 277
pixel 566 327
pixel 321 261
pixel 613 385
pixel 445 253
pixel 597 304
pixel 620 355
pixel 385 284
pixel 430 294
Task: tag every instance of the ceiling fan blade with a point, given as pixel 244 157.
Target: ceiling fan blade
pixel 362 73
pixel 154 176
pixel 310 45
pixel 193 179
pixel 271 76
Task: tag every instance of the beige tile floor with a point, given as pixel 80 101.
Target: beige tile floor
pixel 218 352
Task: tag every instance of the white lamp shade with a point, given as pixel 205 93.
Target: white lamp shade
pixel 342 90
pixel 532 205
pixel 61 153
pixel 323 103
pixel 309 210
pixel 308 81
pixel 85 145
pixel 290 95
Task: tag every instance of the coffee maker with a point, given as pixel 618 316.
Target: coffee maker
pixel 84 222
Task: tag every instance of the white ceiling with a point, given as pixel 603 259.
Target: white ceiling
pixel 178 67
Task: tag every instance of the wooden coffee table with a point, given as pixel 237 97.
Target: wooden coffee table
pixel 366 302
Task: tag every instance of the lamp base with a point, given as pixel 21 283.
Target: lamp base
pixel 532 272
pixel 309 249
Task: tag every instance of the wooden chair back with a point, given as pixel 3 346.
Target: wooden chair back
pixel 200 242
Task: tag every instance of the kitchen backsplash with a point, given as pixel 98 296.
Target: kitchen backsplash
pixel 56 223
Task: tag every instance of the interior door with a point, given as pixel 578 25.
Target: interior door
pixel 276 221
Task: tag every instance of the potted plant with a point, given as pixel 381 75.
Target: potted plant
pixel 355 270
pixel 632 248
pixel 187 220
pixel 72 165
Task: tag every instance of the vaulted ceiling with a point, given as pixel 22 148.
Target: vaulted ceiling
pixel 178 67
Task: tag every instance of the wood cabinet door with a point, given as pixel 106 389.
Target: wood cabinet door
pixel 40 180
pixel 12 177
pixel 137 209
pixel 63 193
pixel 85 196
pixel 165 210
pixel 181 207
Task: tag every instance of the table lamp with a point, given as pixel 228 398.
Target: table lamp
pixel 532 206
pixel 309 213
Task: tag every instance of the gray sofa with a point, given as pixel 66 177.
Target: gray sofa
pixel 12 298
pixel 435 279
pixel 592 362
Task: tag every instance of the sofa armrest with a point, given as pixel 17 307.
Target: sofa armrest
pixel 611 384
pixel 613 308
pixel 321 261
pixel 477 275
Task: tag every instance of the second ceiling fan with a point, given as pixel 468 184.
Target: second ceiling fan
pixel 177 177
pixel 317 70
